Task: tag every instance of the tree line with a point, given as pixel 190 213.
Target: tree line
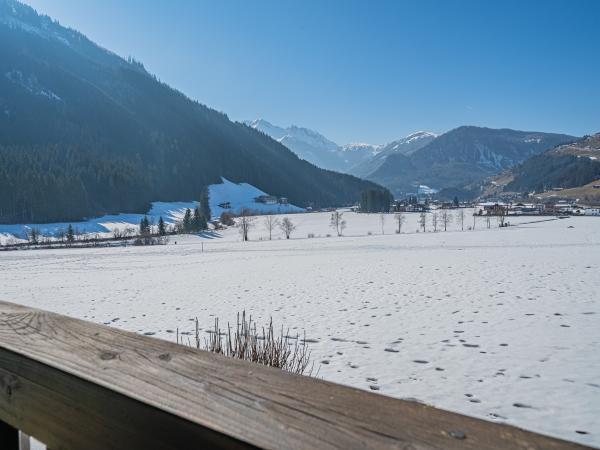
pixel 375 200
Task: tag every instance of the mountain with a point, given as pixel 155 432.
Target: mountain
pixel 566 166
pixel 405 146
pixel 462 156
pixel 84 132
pixel 314 147
pixel 358 153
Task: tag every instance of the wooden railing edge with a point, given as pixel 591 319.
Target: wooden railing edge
pixel 131 391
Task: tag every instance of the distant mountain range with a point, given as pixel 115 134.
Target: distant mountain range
pixel 461 157
pixel 84 132
pixel 358 159
pixel 316 148
pixel 405 147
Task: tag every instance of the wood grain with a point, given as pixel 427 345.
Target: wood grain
pixel 69 382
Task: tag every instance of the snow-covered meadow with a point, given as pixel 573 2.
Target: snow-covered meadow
pixel 502 324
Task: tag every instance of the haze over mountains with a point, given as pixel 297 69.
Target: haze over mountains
pixel 457 158
pixel 359 159
pixel 316 148
pixel 84 132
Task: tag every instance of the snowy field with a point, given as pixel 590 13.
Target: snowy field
pixel 502 324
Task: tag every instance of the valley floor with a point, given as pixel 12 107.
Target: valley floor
pixel 502 324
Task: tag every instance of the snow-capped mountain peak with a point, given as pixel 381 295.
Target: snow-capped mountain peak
pixel 419 135
pixel 404 146
pixel 307 144
pixel 266 127
pixel 359 158
pixel 362 147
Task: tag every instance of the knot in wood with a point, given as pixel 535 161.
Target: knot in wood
pixel 108 355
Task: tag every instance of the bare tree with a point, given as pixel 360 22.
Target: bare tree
pixel 474 219
pixel 382 221
pixel 461 218
pixel 245 223
pixel 434 220
pixel 400 219
pixel 287 226
pixel 270 223
pixel 446 218
pixel 423 220
pixel 337 222
pixel 502 213
pixel 33 236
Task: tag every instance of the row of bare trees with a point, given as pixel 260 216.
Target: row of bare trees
pixel 441 219
pixel 246 222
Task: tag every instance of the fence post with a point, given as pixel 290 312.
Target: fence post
pixel 24 441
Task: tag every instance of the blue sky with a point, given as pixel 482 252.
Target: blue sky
pixel 365 71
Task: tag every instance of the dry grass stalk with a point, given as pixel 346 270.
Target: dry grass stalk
pixel 263 347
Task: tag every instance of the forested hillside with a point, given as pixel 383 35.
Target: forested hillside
pixel 84 132
pixel 566 166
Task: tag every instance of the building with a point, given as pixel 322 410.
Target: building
pixel 266 199
pixel 527 208
pixel 592 211
pixel 493 208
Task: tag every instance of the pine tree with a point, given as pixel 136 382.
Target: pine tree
pixel 375 200
pixel 205 204
pixel 162 228
pixel 202 223
pixel 144 226
pixel 187 221
pixel 70 234
pixel 196 221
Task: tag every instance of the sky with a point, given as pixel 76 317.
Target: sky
pixel 364 71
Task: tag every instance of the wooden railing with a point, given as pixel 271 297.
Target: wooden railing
pixel 76 385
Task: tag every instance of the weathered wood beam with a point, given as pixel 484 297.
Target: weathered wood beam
pixel 73 384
